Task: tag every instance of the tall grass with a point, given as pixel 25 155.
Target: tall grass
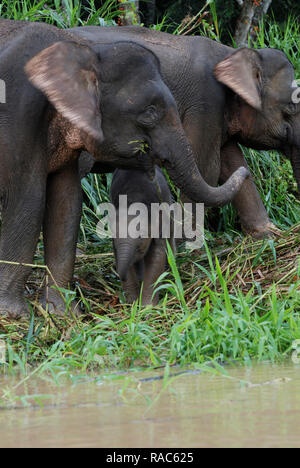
pixel 284 37
pixel 243 306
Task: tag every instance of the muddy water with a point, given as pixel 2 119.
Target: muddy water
pixel 257 406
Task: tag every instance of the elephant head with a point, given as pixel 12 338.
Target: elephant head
pixel 127 116
pixel 264 109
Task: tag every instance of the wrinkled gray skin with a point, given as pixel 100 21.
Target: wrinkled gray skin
pixel 225 97
pixel 65 95
pixel 140 260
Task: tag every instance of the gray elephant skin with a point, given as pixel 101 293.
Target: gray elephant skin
pixel 225 97
pixel 141 260
pixel 65 95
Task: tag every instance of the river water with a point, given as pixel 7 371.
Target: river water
pixel 255 406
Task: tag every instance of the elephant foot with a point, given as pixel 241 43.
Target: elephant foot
pixel 131 298
pixel 148 299
pixel 12 307
pixel 53 302
pixel 267 231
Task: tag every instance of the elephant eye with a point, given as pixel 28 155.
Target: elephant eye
pixel 149 117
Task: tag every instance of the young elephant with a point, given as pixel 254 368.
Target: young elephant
pixel 225 97
pixel 143 259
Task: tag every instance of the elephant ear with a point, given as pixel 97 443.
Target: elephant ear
pixel 242 73
pixel 67 73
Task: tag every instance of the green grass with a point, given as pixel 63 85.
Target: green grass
pixel 277 187
pixel 235 300
pixel 242 304
pixel 281 36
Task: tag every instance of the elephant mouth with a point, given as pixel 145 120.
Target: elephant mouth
pixel 146 162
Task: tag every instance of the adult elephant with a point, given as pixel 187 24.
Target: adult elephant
pixel 224 97
pixel 64 95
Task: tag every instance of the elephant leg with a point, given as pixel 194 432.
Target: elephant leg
pixel 132 285
pixel 250 208
pixel 155 265
pixel 204 134
pixel 60 231
pixel 22 215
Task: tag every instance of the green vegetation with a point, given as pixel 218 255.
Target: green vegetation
pixel 236 299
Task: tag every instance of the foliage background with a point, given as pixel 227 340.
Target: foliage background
pixel 235 299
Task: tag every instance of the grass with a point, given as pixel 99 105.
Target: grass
pixel 277 187
pixel 284 37
pixel 241 303
pixel 234 300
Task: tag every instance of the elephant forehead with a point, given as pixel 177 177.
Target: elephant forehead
pixel 141 94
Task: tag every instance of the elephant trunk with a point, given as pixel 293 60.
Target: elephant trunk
pixel 182 168
pixel 125 250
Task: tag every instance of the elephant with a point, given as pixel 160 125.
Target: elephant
pixel 225 97
pixel 140 260
pixel 64 95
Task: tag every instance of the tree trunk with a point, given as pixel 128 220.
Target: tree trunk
pixel 147 10
pixel 251 14
pixel 129 12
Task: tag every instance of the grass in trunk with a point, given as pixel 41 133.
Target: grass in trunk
pixel 238 301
